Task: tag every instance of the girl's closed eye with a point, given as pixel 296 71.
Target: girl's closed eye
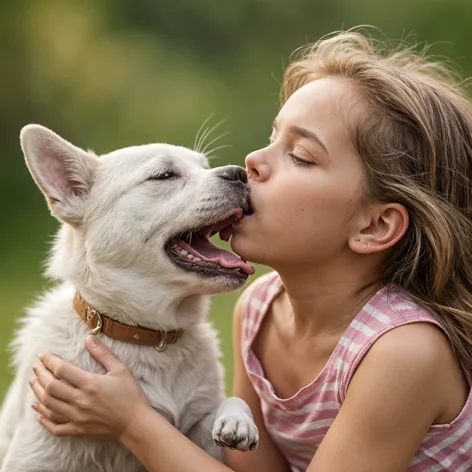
pixel 298 161
pixel 301 157
pixel 295 157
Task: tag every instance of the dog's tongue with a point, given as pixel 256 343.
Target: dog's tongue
pixel 210 253
pixel 226 233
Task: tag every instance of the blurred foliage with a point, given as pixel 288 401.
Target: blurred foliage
pixel 111 73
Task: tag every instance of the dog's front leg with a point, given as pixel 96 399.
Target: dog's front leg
pixel 200 434
pixel 234 426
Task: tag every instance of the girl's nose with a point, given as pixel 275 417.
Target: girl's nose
pixel 256 166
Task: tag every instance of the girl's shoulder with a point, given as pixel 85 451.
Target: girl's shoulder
pixel 393 331
pixel 376 323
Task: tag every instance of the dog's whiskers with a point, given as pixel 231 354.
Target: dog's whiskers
pixel 198 138
pixel 214 140
pixel 206 134
pixel 209 154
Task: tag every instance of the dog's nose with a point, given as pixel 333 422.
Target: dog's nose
pixel 233 174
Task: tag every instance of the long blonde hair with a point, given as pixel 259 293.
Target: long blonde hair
pixel 416 143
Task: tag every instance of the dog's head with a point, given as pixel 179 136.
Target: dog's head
pixel 145 210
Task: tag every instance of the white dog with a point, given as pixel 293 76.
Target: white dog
pixel 133 260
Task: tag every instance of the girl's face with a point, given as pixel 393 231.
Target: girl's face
pixel 307 183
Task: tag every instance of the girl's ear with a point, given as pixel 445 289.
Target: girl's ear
pixel 386 225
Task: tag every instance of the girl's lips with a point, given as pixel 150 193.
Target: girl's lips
pixel 242 220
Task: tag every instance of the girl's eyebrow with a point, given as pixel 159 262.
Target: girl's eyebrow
pixel 305 133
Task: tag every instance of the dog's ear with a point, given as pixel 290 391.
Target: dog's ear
pixel 62 171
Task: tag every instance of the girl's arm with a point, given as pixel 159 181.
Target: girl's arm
pixel 161 447
pixel 407 381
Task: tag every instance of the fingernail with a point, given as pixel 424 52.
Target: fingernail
pixel 41 356
pixel 32 380
pixel 91 341
pixel 35 406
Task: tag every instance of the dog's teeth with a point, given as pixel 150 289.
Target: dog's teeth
pixel 175 246
pixel 196 259
pixel 183 252
pixel 189 256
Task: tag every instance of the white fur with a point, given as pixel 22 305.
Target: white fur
pixel 111 248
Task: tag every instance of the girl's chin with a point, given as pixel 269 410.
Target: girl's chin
pixel 246 249
pixel 240 244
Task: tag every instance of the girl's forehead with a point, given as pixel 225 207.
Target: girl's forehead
pixel 329 107
pixel 323 99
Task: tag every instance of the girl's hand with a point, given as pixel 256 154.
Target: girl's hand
pixel 73 402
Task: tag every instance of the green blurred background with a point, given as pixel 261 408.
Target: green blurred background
pixel 111 73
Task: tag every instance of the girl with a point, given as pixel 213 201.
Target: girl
pixel 355 354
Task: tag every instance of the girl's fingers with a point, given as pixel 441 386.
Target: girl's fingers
pixel 67 429
pixel 56 406
pixel 62 369
pixel 54 387
pixel 103 354
pixel 48 414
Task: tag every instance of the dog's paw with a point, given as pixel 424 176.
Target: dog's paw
pixel 236 432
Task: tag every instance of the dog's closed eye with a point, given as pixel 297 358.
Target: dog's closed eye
pixel 163 175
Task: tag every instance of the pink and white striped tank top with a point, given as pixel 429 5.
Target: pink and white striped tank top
pixel 298 424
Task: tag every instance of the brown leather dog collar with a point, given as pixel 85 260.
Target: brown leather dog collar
pixel 99 323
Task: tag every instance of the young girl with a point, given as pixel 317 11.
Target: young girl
pixel 356 353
